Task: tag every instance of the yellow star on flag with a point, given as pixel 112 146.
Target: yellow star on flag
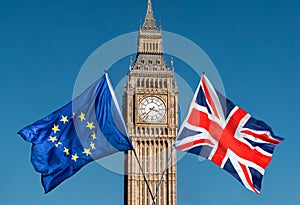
pixel 52 139
pixel 87 152
pixel 66 151
pixel 57 144
pixel 82 116
pixel 55 128
pixel 90 125
pixel 64 119
pixel 94 137
pixel 92 145
pixel 75 157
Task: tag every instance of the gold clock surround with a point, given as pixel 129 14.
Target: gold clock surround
pixel 152 109
pixel 150 76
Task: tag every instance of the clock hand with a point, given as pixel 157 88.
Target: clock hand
pixel 150 109
pixel 148 112
pixel 153 109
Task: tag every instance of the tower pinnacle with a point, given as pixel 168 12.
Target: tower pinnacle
pixel 150 111
pixel 149 23
pixel 150 37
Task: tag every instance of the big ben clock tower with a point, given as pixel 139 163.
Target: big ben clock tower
pixel 150 110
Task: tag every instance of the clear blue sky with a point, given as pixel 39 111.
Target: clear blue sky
pixel 254 44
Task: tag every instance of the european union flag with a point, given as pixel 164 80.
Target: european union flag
pixel 88 128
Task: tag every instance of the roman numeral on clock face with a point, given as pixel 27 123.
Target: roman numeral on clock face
pixel 152 109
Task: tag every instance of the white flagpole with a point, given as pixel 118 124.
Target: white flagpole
pixel 173 148
pixel 145 179
pixel 162 176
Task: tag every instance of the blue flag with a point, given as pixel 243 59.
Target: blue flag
pixel 88 128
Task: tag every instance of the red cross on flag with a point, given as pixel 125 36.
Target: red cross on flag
pixel 227 135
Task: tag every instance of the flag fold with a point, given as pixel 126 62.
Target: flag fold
pixel 86 129
pixel 224 133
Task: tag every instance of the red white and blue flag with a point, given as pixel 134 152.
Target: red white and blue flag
pixel 227 135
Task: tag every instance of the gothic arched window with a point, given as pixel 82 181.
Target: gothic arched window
pixel 151 83
pixel 165 84
pixel 143 83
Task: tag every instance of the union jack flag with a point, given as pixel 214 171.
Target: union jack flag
pixel 227 135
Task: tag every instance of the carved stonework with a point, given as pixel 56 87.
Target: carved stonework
pixel 150 110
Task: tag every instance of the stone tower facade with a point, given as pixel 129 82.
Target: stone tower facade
pixel 150 110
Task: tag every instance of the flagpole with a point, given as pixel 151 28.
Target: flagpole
pixel 164 172
pixel 145 179
pixel 170 156
pixel 173 147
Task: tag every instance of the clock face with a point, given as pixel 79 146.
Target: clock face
pixel 152 109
